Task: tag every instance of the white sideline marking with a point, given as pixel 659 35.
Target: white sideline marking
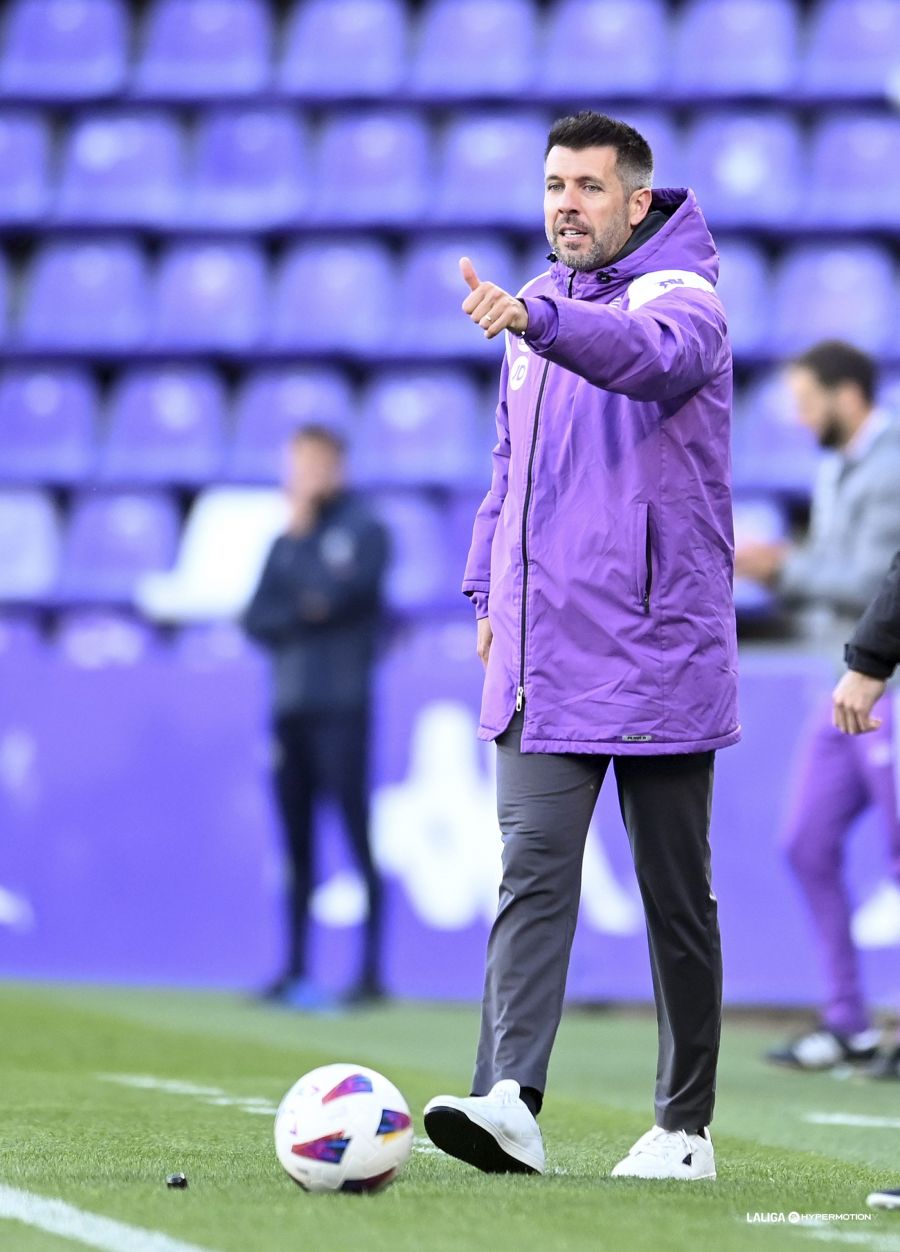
pixel 878 1241
pixel 58 1218
pixel 208 1095
pixel 853 1119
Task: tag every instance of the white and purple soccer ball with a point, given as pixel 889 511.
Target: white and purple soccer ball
pixel 343 1128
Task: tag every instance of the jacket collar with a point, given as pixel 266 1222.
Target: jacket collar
pixel 674 235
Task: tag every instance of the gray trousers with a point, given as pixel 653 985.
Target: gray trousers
pixel 545 803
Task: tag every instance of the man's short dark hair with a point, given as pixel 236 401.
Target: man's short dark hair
pixel 834 362
pixel 317 432
pixel 634 160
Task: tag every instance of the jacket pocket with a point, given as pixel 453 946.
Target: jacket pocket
pixel 643 556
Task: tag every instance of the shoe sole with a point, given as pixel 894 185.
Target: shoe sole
pixel 799 1067
pixel 455 1133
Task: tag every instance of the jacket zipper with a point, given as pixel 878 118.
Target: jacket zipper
pixel 529 484
pixel 648 586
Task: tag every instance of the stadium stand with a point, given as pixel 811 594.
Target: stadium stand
pixel 210 232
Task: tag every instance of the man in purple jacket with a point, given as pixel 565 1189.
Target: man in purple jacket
pixel 601 572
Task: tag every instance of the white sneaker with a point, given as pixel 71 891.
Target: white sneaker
pixel 669 1154
pixel 884 1199
pixel 496 1133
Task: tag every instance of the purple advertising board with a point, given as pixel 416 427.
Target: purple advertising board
pixel 139 840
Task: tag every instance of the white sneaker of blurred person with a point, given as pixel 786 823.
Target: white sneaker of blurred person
pixel 823 1048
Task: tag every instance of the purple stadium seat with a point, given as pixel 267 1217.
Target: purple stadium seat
pixel 86 295
pixel 212 647
pixel 475 47
pixel 418 427
pixel 165 426
pixel 210 296
pixel 64 49
pixel 889 392
pixel 735 48
pixel 746 168
pixel 366 42
pixel 757 519
pixel 114 538
pixel 270 406
pixel 336 296
pixel 29 545
pixel 852 155
pixel 122 167
pixel 834 291
pixel 4 294
pixel 373 167
pixel 199 48
pixel 24 166
pixel 432 292
pixel 47 424
pixel 101 638
pixel 492 170
pixel 744 283
pixel 20 637
pixel 419 571
pixel 851 49
pixel 772 451
pixel 249 168
pixel 618 48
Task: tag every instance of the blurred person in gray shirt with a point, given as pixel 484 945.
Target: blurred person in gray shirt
pixel 829 580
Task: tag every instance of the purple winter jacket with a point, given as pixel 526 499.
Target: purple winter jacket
pixel 603 552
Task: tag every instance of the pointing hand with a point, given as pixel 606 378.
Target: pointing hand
pixel 489 306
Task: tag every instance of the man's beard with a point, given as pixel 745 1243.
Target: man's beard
pixel 831 435
pixel 602 250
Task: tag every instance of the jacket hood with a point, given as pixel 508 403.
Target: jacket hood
pixel 681 242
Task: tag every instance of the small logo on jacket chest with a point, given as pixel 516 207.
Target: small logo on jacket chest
pixel 337 547
pixel 518 372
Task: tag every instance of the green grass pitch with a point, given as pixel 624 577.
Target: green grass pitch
pixel 70 1131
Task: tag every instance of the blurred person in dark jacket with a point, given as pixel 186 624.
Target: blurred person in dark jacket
pixel 317 611
pixel 855 529
pixel 872 655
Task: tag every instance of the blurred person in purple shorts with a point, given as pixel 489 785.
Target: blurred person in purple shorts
pixel 600 574
pixel 854 531
pixel 872 655
pixel 316 611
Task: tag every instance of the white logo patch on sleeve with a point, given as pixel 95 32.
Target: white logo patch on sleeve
pixel 660 282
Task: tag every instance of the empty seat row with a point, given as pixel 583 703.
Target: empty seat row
pixel 189 49
pixel 176 425
pixel 130 548
pixel 250 168
pixel 111 543
pixel 359 298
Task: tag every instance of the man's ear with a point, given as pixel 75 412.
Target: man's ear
pixel 639 205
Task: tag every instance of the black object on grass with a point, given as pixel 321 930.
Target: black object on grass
pixel 177 1182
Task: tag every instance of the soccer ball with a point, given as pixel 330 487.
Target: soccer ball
pixel 343 1128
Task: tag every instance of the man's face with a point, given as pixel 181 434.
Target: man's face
pixel 819 408
pixel 314 470
pixel 587 215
